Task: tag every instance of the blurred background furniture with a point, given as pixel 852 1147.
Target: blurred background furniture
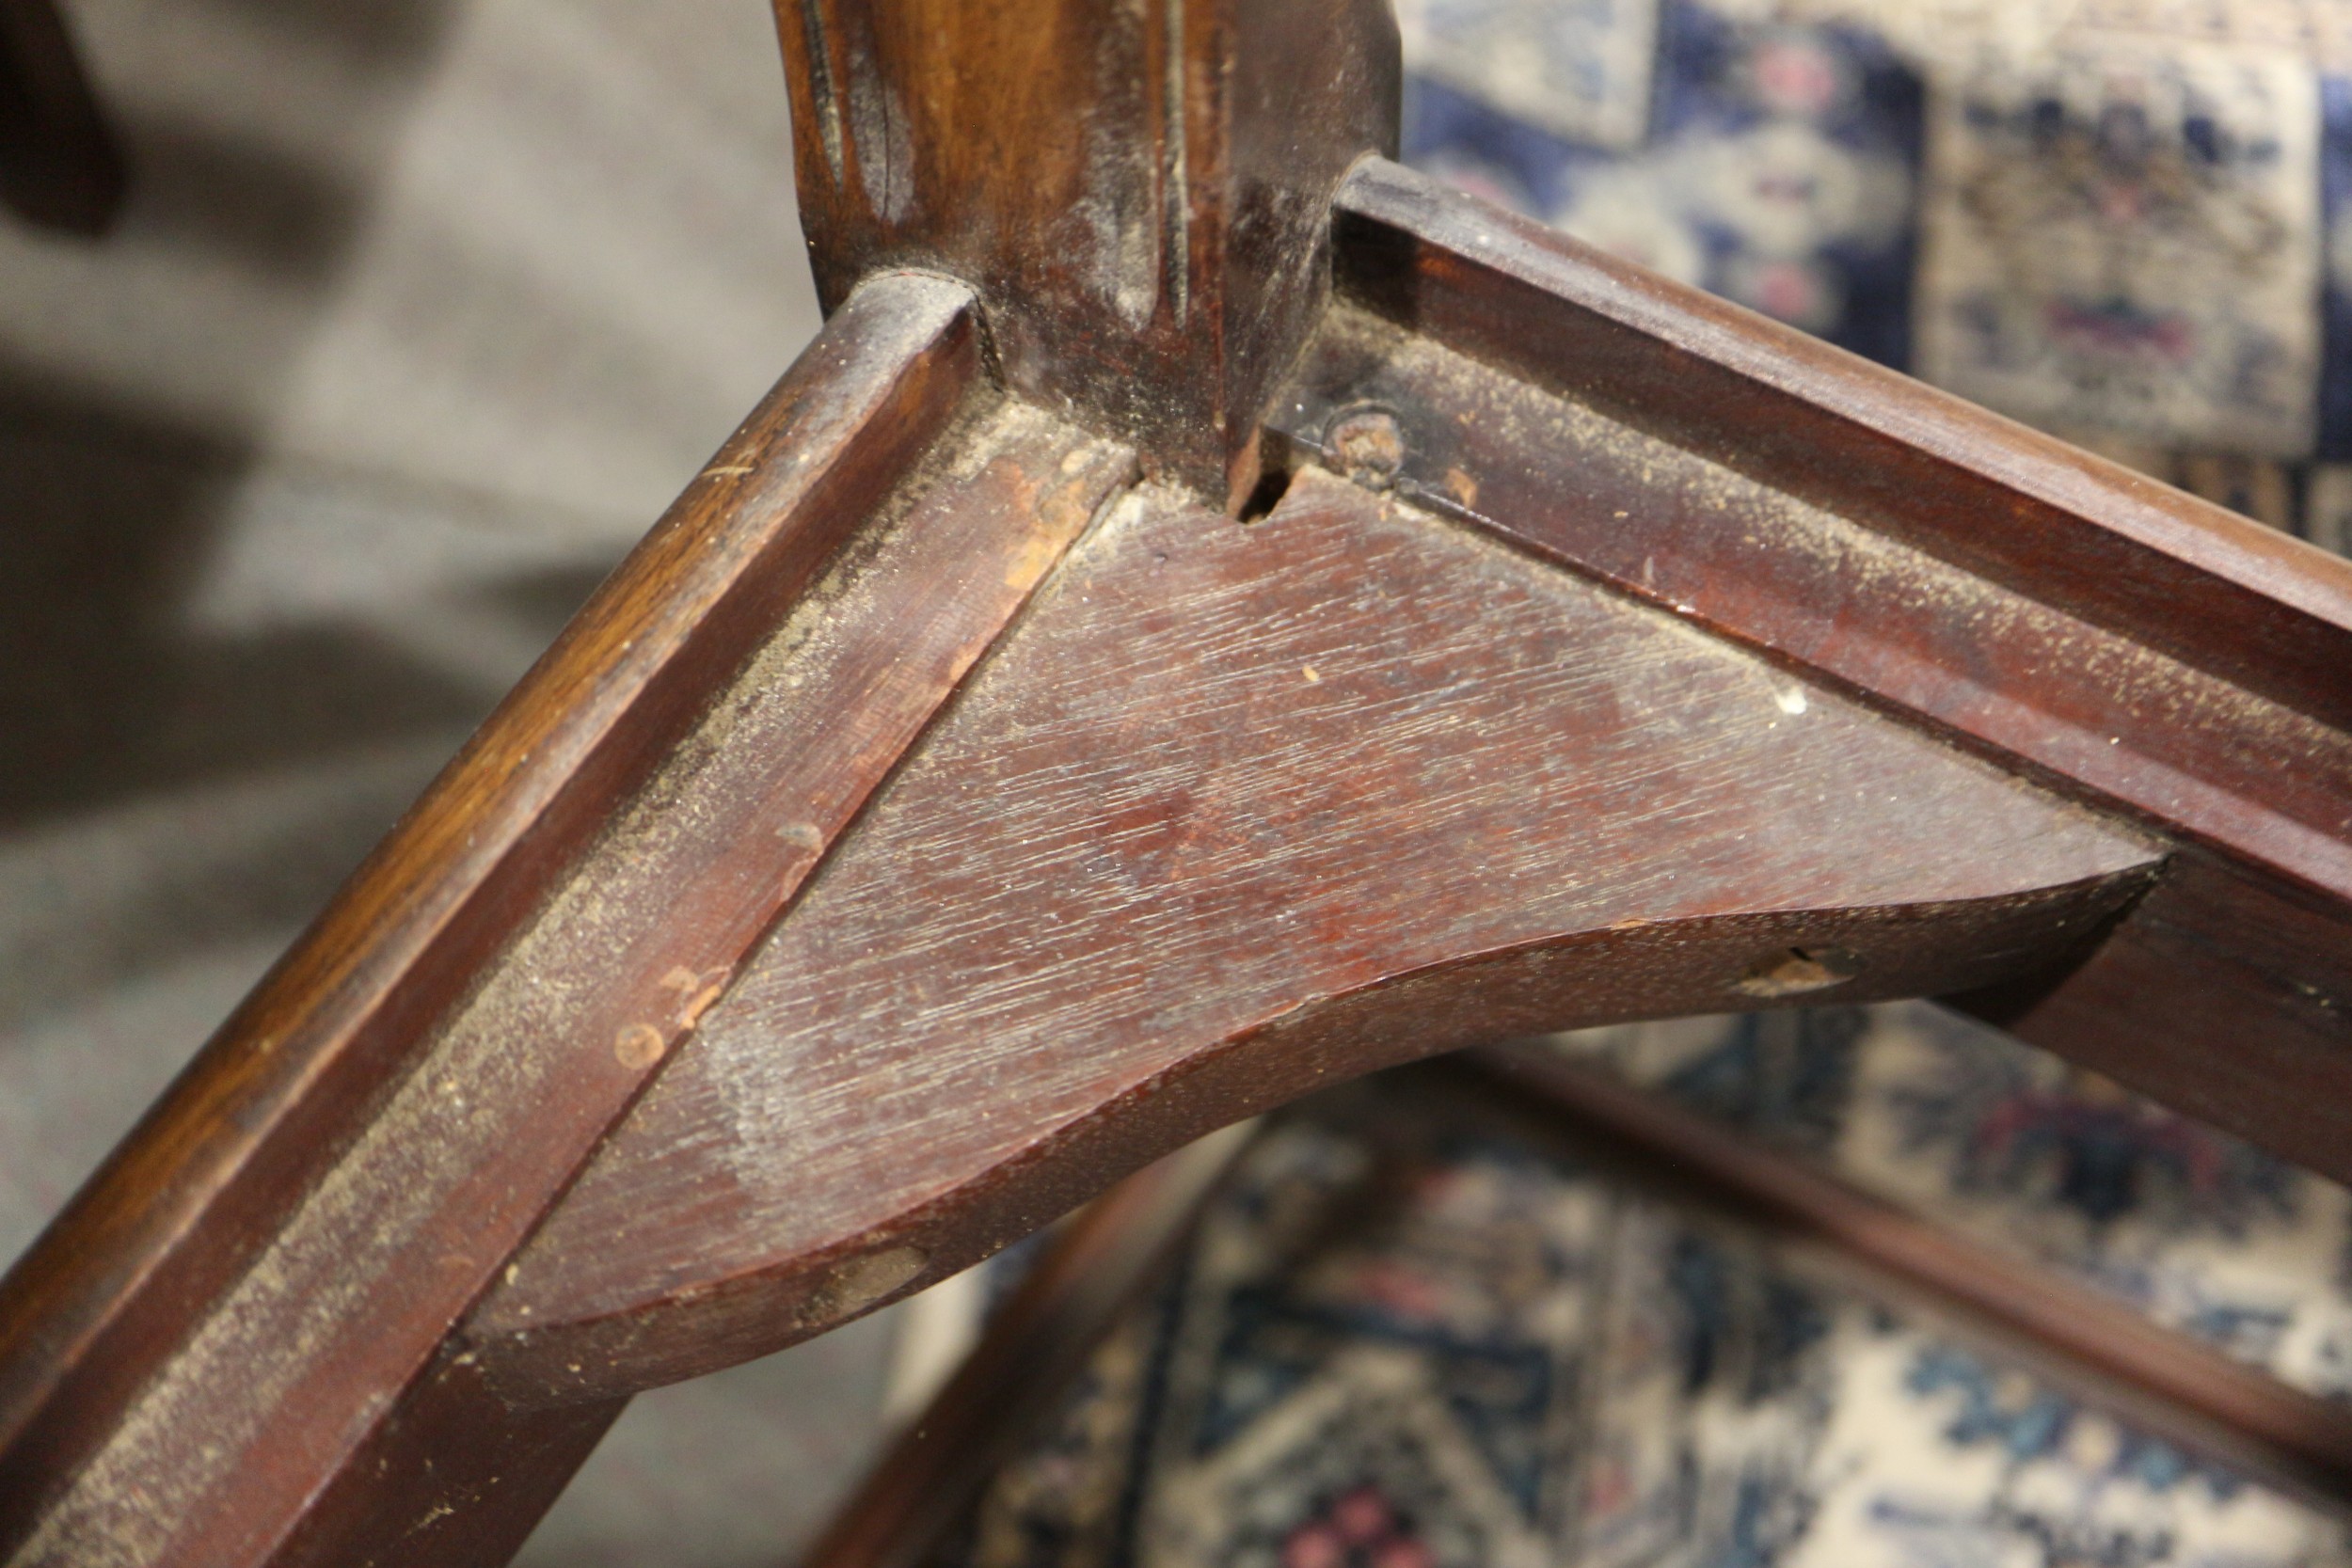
pixel 1636 1296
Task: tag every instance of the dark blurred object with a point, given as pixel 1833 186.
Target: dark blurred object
pixel 59 167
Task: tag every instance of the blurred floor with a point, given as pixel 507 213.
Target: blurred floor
pixel 417 317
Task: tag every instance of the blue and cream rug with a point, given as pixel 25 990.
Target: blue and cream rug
pixel 2127 221
pixel 1402 1339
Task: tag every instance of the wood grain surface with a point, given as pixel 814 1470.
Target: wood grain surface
pixel 2023 676
pixel 2249 602
pixel 323 1350
pixel 1140 193
pixel 183 1206
pixel 2119 641
pixel 1236 810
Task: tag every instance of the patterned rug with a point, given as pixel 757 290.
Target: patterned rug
pixel 1407 1337
pixel 1957 1121
pixel 2128 221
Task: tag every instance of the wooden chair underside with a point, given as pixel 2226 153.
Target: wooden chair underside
pixel 943 814
pixel 1237 809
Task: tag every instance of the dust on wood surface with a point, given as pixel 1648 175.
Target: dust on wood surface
pixel 1222 773
pixel 304 1356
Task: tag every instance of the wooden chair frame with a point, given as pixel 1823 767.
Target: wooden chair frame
pixel 1212 614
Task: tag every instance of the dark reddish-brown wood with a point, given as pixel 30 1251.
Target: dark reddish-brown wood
pixel 1635 658
pixel 1139 192
pixel 59 165
pixel 2128 645
pixel 451 1478
pixel 552 988
pixel 1236 810
pixel 1723 384
pixel 124 1275
pixel 2223 997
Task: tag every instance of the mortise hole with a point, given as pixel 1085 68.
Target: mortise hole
pixel 1277 467
pixel 1798 970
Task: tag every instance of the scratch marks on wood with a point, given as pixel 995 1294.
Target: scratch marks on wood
pixel 321 1340
pixel 147 1248
pixel 1219 780
pixel 2021 672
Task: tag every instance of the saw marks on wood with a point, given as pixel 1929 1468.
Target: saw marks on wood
pixel 1235 810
